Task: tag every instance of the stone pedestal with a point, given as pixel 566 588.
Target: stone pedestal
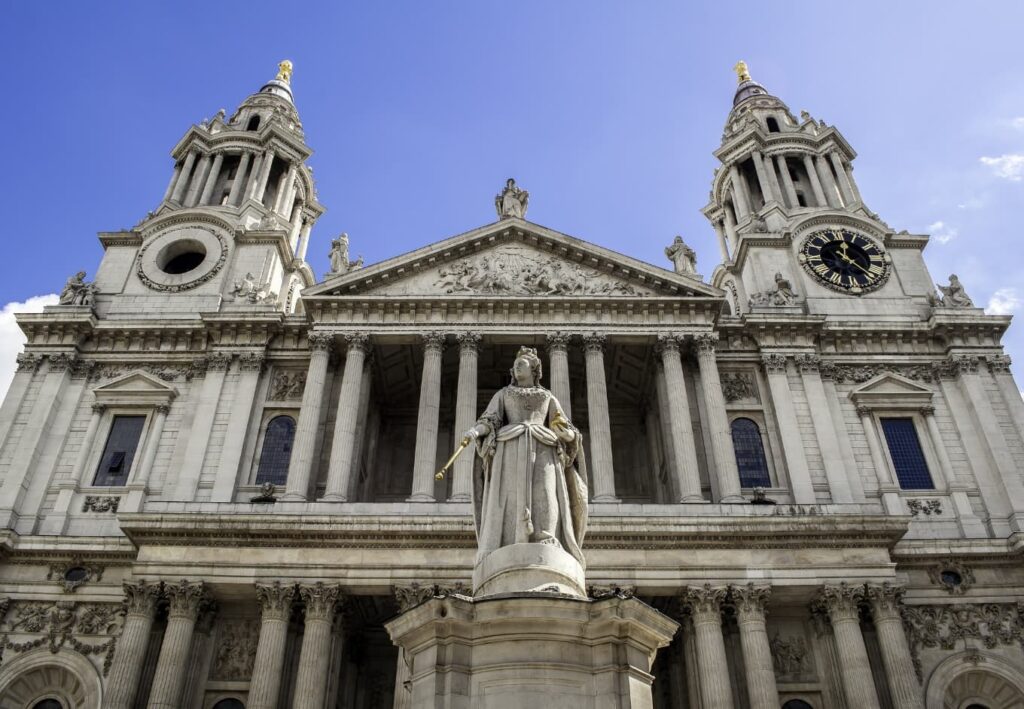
pixel 531 650
pixel 518 568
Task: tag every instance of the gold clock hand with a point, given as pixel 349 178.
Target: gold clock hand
pixel 845 257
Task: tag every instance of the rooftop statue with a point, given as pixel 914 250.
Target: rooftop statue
pixel 76 291
pixel 339 257
pixel 531 487
pixel 512 201
pixel 954 295
pixel 683 258
pixel 284 71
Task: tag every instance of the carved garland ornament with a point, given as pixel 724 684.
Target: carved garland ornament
pixel 222 257
pixel 62 623
pixel 943 626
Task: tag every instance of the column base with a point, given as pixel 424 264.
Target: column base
pixel 292 497
pixel 605 500
pixel 421 497
pixel 334 497
pixel 464 497
pixel 733 500
pixel 688 499
pixel 531 650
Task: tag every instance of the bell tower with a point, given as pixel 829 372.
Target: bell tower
pixel 233 227
pixel 792 227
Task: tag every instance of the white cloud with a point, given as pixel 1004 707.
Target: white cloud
pixel 1017 122
pixel 942 232
pixel 1003 302
pixel 1008 167
pixel 972 203
pixel 11 340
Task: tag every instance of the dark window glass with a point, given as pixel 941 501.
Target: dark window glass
pixel 254 123
pixel 746 439
pixel 907 456
pixel 773 125
pixel 48 704
pixel 277 451
pixel 229 704
pixel 122 443
pixel 796 704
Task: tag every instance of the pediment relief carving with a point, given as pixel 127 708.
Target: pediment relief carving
pixel 514 263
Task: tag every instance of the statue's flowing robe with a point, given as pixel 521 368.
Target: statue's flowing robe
pixel 531 486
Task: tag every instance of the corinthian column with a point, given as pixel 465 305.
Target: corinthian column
pixel 687 473
pixel 601 467
pixel 346 422
pixel 558 359
pixel 311 682
pixel 300 467
pixel 169 680
pixel 465 413
pixel 892 640
pixel 751 602
pixel 718 422
pixel 125 669
pixel 842 605
pixel 705 605
pixel 425 458
pixel 276 605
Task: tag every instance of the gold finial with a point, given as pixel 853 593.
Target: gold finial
pixel 284 71
pixel 742 73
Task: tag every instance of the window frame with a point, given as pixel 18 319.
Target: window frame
pixel 269 414
pixel 99 444
pixel 762 433
pixel 923 441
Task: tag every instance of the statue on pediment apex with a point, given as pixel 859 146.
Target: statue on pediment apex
pixel 339 257
pixel 511 201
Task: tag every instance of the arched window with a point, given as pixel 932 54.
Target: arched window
pixel 48 704
pixel 254 123
pixel 753 467
pixel 229 704
pixel 277 451
pixel 773 125
pixel 796 704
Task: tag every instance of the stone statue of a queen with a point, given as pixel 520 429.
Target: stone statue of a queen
pixel 530 492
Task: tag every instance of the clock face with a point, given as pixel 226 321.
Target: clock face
pixel 845 261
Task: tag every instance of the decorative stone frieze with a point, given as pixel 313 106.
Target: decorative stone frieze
pixel 101 503
pixel 774 363
pixel 947 626
pixel 737 386
pixel 87 628
pixel 927 508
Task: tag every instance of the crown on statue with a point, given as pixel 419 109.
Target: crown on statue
pixel 527 352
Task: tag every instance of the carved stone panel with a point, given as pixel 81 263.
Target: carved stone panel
pixel 236 650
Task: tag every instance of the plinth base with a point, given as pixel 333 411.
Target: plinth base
pixel 522 568
pixel 531 650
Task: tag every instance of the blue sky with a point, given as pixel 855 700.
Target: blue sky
pixel 607 112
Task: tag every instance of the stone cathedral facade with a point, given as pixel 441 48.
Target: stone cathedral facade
pixel 217 469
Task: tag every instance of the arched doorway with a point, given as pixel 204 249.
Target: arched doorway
pixel 976 681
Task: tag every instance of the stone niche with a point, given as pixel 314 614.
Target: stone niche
pixel 531 649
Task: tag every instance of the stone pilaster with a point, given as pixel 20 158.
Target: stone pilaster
pixel 346 421
pixel 775 368
pixel 841 603
pixel 311 683
pixel 300 467
pixel 751 603
pixel 186 599
pixel 214 367
pixel 844 179
pixel 687 473
pixel 718 422
pixel 276 605
pixel 465 414
pixel 886 601
pixel 887 486
pixel 705 606
pixel 787 181
pixel 601 466
pixel 140 600
pixel 250 366
pixel 428 418
pixel 558 359
pixel 825 429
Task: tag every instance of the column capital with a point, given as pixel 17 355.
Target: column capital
pixel 358 341
pixel 469 341
pixel 841 602
pixel 433 341
pixel 160 409
pixel 28 362
pixel 998 364
pixel 704 601
pixel 964 364
pixel 774 363
pixel 218 362
pixel 410 596
pixel 558 342
pixel 141 597
pixel 886 599
pixel 750 601
pixel 594 341
pixel 927 410
pixel 185 598
pixel 61 361
pixel 321 341
pixel 808 363
pixel 251 361
pixel 275 600
pixel 863 411
pixel 320 599
pixel 706 343
pixel 99 408
pixel 668 343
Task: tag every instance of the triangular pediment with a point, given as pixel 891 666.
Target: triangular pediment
pixel 891 389
pixel 513 258
pixel 135 387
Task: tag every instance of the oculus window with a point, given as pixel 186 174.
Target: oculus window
pixel 750 459
pixel 277 451
pixel 119 453
pixel 907 456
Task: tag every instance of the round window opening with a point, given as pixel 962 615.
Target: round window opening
pixel 181 257
pixel 951 578
pixel 76 574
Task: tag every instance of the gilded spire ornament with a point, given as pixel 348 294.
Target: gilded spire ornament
pixel 742 72
pixel 284 71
